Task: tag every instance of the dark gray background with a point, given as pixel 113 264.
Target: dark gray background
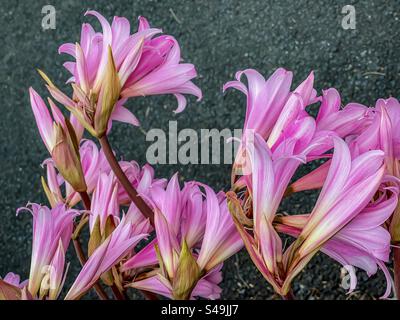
pixel 219 37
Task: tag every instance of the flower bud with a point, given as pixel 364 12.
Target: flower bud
pixel 187 274
pixel 108 96
pixel 65 154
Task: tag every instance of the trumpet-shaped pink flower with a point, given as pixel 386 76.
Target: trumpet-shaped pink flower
pixel 265 98
pixel 221 239
pixel 169 205
pixel 115 248
pixel 194 236
pixel 131 65
pixel 363 242
pixel 266 183
pixel 52 231
pixel 270 100
pixel 364 129
pixel 291 129
pixel 336 206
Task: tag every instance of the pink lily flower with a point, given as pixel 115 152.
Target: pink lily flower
pixel 389 136
pixel 194 236
pixel 293 119
pixel 363 242
pixel 169 198
pixel 221 240
pixel 271 169
pixel 291 129
pixel 115 65
pixel 52 231
pixel 112 251
pixel 373 130
pixel 268 99
pixel 336 205
pixel 381 134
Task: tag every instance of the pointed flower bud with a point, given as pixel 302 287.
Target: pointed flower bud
pixel 109 95
pixel 59 137
pixel 187 274
pixel 66 157
pixel 51 185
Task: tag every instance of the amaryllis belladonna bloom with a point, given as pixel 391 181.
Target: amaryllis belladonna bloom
pixel 363 243
pixel 114 65
pixel 277 115
pixel 52 231
pixel 336 206
pixel 268 100
pixel 265 185
pixel 350 121
pixel 382 134
pixel 194 236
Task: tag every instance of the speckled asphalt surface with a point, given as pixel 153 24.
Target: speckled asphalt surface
pixel 219 37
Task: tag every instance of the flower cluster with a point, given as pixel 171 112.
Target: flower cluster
pixel 164 237
pixel 125 207
pixel 355 217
